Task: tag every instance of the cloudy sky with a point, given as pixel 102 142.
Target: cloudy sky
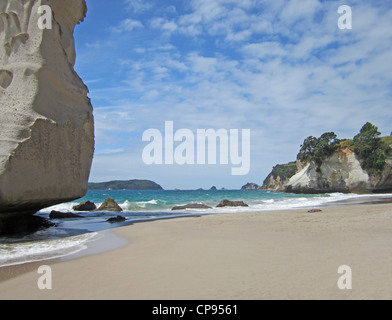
pixel 282 69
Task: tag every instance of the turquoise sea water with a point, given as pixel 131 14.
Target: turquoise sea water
pixel 73 235
pixel 161 201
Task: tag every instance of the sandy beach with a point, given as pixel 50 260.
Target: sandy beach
pixel 268 255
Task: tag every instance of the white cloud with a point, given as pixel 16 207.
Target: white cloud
pixel 138 6
pixel 112 151
pixel 163 24
pixel 127 25
pixel 217 18
pixel 264 49
pixel 238 36
pixel 205 66
pixel 296 10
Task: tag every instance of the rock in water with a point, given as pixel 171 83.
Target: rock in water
pixel 63 215
pixel 191 206
pixel 85 206
pixel 46 122
pixel 116 219
pixel 228 203
pixel 109 205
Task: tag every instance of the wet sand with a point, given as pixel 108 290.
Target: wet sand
pixel 290 254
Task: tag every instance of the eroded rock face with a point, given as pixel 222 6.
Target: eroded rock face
pixel 280 176
pixel 46 118
pixel 341 172
pixel 277 184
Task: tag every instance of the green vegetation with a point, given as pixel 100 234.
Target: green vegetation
pixel 317 149
pixel 125 185
pixel 387 140
pixel 350 142
pixel 284 171
pixel 346 143
pixel 371 150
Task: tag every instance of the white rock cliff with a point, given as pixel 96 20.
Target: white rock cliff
pixel 341 172
pixel 46 118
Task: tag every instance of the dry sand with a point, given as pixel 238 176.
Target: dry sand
pixel 266 255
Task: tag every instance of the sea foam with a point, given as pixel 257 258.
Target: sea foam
pixel 31 251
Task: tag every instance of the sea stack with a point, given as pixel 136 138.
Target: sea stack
pixel 46 121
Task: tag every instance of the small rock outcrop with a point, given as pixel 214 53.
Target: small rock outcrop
pixel 109 205
pixel 85 206
pixel 192 206
pixel 228 203
pixel 46 122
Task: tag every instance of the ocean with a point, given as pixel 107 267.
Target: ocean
pixel 71 236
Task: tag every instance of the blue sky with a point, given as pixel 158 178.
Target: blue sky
pixel 282 69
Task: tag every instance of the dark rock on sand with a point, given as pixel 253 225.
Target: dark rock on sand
pixel 228 203
pixel 191 206
pixel 22 224
pixel 85 206
pixel 116 219
pixel 109 205
pixel 63 215
pixel 314 210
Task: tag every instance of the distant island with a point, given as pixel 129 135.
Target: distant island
pixel 125 185
pixel 250 186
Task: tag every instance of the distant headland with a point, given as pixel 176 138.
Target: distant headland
pixel 327 164
pixel 125 185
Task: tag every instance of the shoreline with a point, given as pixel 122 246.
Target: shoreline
pixel 105 240
pixel 148 234
pixel 99 244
